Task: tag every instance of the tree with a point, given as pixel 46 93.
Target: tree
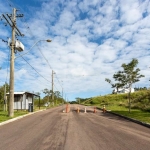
pixel 78 100
pixel 115 85
pixel 2 98
pixel 127 77
pixel 57 94
pixel 48 93
pixel 38 93
pixel 59 98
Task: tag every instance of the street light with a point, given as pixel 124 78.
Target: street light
pixel 48 40
pixel 11 89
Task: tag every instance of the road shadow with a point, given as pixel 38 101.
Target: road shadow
pixel 113 116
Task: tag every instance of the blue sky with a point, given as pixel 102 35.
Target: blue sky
pixel 90 41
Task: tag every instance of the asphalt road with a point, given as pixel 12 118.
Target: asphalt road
pixel 54 130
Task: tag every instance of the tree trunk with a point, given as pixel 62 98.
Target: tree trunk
pixel 129 96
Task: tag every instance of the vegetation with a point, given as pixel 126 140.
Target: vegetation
pixel 2 95
pixel 4 115
pixel 58 99
pixel 118 103
pixel 46 100
pixel 127 77
pixel 139 100
pixel 80 100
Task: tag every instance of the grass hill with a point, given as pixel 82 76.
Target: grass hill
pixel 118 103
pixel 139 100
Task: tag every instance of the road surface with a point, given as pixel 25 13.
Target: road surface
pixel 54 130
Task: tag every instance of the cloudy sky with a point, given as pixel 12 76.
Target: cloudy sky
pixel 90 41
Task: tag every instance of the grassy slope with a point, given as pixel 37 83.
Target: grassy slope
pixel 118 103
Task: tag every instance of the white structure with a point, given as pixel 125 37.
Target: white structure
pixel 123 90
pixel 22 100
pixel 18 45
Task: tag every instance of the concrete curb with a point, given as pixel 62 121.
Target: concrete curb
pixel 17 118
pixel 130 119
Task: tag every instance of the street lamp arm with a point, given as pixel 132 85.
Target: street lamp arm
pixel 33 46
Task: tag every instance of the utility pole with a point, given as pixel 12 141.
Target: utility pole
pixel 53 85
pixel 5 100
pixel 11 92
pixel 11 20
pixel 65 98
pixel 62 95
pixel 62 91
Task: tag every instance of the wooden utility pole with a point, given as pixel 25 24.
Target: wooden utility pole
pixel 11 91
pixel 5 99
pixel 62 92
pixel 52 86
pixel 11 20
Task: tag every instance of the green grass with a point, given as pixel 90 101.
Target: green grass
pixel 134 114
pixel 137 114
pixel 4 115
pixel 118 103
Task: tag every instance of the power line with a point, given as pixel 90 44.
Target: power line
pixel 8 58
pixel 7 64
pixel 34 68
pixel 45 58
pixel 30 32
pixel 9 3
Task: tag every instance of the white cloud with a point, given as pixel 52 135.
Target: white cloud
pixel 90 41
pixel 131 16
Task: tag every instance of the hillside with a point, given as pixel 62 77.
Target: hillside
pixel 139 100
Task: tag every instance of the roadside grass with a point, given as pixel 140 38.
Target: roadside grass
pixel 137 114
pixel 4 114
pixel 118 103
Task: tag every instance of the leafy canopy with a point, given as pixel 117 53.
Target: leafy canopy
pixel 128 76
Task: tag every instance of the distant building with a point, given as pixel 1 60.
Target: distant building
pixel 123 90
pixel 24 100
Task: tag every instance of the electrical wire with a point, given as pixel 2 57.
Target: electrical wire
pixel 7 64
pixel 30 32
pixel 34 68
pixel 23 57
pixel 7 61
pixel 47 62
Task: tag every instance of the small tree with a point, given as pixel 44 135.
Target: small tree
pixel 78 100
pixel 48 93
pixel 127 77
